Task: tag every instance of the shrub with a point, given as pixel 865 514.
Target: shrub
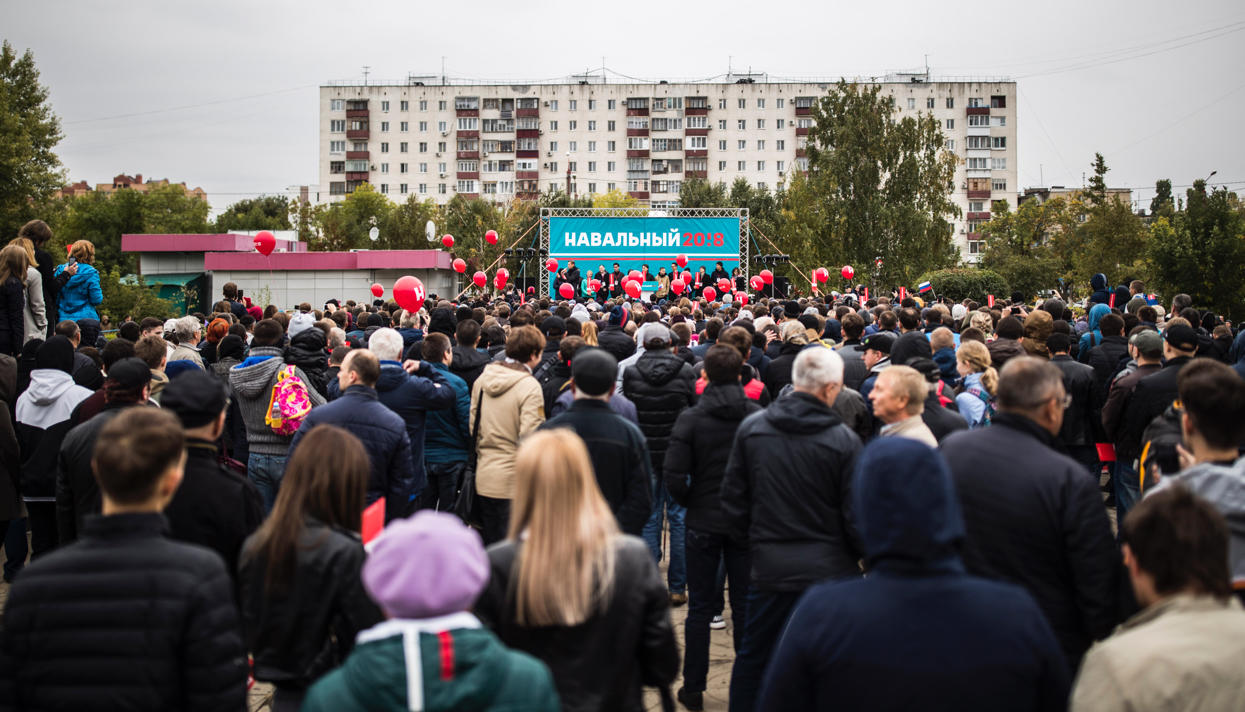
pixel 960 284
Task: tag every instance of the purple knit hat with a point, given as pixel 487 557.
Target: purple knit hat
pixel 426 566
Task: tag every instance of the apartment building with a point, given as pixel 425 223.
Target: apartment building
pixel 435 140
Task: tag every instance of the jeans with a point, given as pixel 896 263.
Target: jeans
pixel 15 547
pixel 766 617
pixel 266 472
pixel 676 575
pixel 1127 489
pixel 705 555
pixel 494 517
pixel 43 533
pixel 442 488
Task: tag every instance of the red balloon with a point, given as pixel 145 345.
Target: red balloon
pixel 634 274
pixel 448 241
pixel 594 285
pixel 567 290
pixel 756 283
pixel 499 280
pixel 822 274
pixel 677 286
pixel 632 288
pixel 681 261
pixel 480 279
pixel 264 242
pixel 551 264
pixel 378 291
pixel 459 265
pixel 847 272
pixel 687 277
pixel 767 276
pixel 741 298
pixel 491 237
pixel 710 293
pixel 503 272
pixel 724 284
pixel 409 293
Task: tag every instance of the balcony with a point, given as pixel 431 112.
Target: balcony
pixel 638 195
pixel 978 111
pixel 356 113
pixel 801 131
pixel 527 133
pixel 638 175
pixel 466 112
pixel 696 111
pixel 975 236
pixel 468 175
pixel 356 155
pixel 637 112
pixel 527 113
pixel 468 155
pixel 801 152
pixel 637 153
pixel 972 194
pixel 531 153
pixel 696 152
pixel 696 174
pixel 469 196
pixel 803 111
pixel 695 132
pixel 467 134
pixel 357 134
pixel 977 216
pixel 523 195
pixel 637 132
pixel 359 175
pixel 527 175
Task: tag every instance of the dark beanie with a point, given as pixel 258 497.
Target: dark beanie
pixel 56 352
pixel 232 346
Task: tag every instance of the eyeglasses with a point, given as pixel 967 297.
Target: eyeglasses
pixel 1067 401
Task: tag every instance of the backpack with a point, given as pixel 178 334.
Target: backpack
pixel 987 400
pixel 1158 446
pixel 290 403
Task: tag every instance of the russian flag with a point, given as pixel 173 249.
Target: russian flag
pixel 924 287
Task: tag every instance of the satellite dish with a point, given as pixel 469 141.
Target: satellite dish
pixel 374 233
pixel 430 231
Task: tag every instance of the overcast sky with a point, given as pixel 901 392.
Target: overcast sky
pixel 223 94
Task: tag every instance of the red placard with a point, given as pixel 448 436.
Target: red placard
pixel 990 300
pixel 1111 300
pixel 1106 452
pixel 866 294
pixel 903 293
pixel 373 520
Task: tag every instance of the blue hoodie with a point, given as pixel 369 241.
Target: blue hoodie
pixel 1093 336
pixel 79 297
pixel 917 618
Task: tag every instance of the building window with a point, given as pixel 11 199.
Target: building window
pixel 443 126
pixel 404 105
pixel 978 142
pixel 779 103
pixel 337 125
pixel 592 166
pixel 384 168
pixel 423 168
pixel 978 120
pixel 423 126
pixel 572 146
pixel 592 188
pixel 609 125
pixel 338 188
pixel 592 125
pixel 572 105
pixel 721 165
pixel 467 186
pixel 761 144
pixel 441 167
pixel 592 147
pixel 468 123
pixel 553 126
pixel 698 142
pixel 610 166
pixel 553 166
pixel 760 103
pixel 340 166
pixel 403 167
pixel 721 124
pixel 337 146
pixel 742 124
pixel 978 164
pixel 997 184
pixel 698 122
pixel 721 103
pixel 760 123
pixel 743 144
pixel 384 188
pixel 402 188
pixel 782 166
pixel 468 167
pixel 998 102
pixel 384 126
pixel 929 103
pixel 722 145
pixel 403 147
pixel 423 188
pixel 610 186
pixel 743 103
pixel 780 144
pixel 976 206
pixel 384 147
pixel 998 164
pixel 571 166
pixel 911 103
pixel 404 126
pixel 423 146
pixel 441 186
pixel 609 146
pixel 781 124
pixel 592 104
pixel 440 147
pixel 384 106
pixel 612 104
pixel 760 165
pixel 976 102
pixel 949 144
pixel 637 143
pixel 553 145
pixel 998 142
pixel 999 120
pixel 441 105
pixel 950 103
pixel 337 104
pixel 741 165
pixel 358 146
pixel 950 124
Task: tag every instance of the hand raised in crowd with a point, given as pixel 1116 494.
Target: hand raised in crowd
pixel 410 366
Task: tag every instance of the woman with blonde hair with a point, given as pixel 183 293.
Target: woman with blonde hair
pixel 13 264
pixel 589 332
pixel 571 590
pixel 983 322
pixel 981 381
pixel 81 294
pixel 35 318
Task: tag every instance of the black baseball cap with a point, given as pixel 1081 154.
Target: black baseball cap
pixel 878 341
pixel 594 371
pixel 1181 337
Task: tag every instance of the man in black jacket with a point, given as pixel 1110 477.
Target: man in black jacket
pixel 1108 356
pixel 612 336
pixel 554 328
pixel 126 618
pixel 213 507
pixel 618 450
pixel 694 464
pixel 469 362
pixel 661 385
pixel 1155 393
pixel 77 492
pixel 1033 517
pixel 786 491
pixel 1081 419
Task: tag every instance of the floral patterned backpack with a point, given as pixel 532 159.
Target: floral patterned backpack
pixel 290 403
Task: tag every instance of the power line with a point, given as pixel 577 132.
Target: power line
pixel 190 106
pixel 1181 119
pixel 1219 32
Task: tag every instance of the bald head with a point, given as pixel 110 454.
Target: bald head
pixel 361 367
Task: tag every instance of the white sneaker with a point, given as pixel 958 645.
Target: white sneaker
pixel 718 623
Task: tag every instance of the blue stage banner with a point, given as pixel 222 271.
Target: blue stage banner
pixel 655 239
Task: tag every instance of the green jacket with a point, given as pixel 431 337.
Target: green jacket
pixel 482 674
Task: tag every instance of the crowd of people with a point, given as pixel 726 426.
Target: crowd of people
pixel 902 501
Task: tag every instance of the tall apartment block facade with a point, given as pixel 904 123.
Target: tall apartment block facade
pixel 505 141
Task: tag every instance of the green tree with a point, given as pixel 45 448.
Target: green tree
pixel 29 131
pixel 102 219
pixel 555 197
pixel 1018 245
pixel 1201 251
pixel 880 182
pixel 130 298
pixel 168 209
pixel 345 225
pixel 1162 206
pixel 267 212
pixel 614 199
pixel 700 193
pixel 1111 239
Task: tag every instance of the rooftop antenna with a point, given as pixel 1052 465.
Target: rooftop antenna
pixel 442 70
pixel 927 67
pixel 365 73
